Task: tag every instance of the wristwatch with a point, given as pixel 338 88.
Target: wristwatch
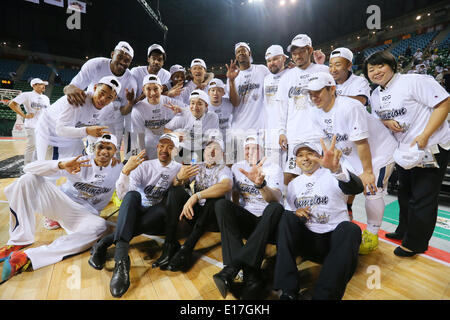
pixel 262 185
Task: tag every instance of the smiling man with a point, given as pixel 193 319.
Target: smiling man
pixel 63 126
pixel 365 143
pixel 76 205
pixel 294 103
pixel 143 187
pixel 91 72
pixel 315 224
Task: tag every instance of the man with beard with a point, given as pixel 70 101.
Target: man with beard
pixel 143 187
pixel 118 114
pixel 294 102
pixel 276 60
pixel 212 182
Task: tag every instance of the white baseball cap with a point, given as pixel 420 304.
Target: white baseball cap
pixel 172 137
pixel 125 47
pixel 151 78
pixel 342 52
pixel 300 40
pixel 107 138
pixel 197 93
pixel 319 80
pixel 112 82
pixel 308 144
pixel 38 81
pixel 216 83
pixel 274 50
pixel 242 44
pixel 198 62
pixel 252 139
pixel 177 68
pixel 215 139
pixel 156 47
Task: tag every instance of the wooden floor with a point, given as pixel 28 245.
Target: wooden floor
pixel 73 278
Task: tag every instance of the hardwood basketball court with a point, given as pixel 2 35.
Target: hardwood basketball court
pixel 379 276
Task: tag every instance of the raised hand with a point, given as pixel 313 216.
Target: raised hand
pixel 232 70
pixel 188 171
pixel 331 156
pixel 97 131
pixel 176 90
pixel 129 95
pixel 319 56
pixel 74 166
pixel 134 162
pixel 256 174
pixel 176 109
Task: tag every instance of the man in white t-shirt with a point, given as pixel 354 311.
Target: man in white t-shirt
pixel 221 105
pixel 213 181
pixel 275 59
pixel 193 126
pixel 365 143
pixel 253 215
pixel 245 87
pixel 315 224
pixel 76 205
pixel 143 187
pixel 294 124
pixel 63 125
pixel 200 79
pixel 150 116
pixel 348 84
pixel 156 56
pixel 35 102
pixel 119 112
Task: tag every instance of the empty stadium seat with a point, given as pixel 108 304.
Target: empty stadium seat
pixel 36 71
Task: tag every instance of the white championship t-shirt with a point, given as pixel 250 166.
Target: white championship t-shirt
pixel 354 86
pixel 92 187
pixel 95 69
pixel 194 130
pixel 151 119
pixel 151 179
pixel 73 124
pixel 319 191
pixel 350 122
pixel 140 72
pixel 249 196
pixel 207 177
pixel 225 114
pixel 409 99
pixel 249 85
pixel 34 103
pixel 271 107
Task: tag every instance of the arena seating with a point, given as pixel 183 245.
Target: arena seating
pixel 67 75
pixel 34 70
pixel 8 66
pixel 367 52
pixel 416 42
pixel 445 43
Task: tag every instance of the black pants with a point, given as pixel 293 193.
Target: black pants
pixel 236 223
pixel 418 193
pixel 134 219
pixel 204 217
pixel 337 251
